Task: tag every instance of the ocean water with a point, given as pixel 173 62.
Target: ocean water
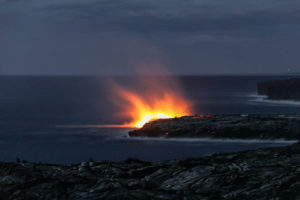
pixel 55 118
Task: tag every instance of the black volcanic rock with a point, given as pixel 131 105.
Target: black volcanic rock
pixel 280 89
pixel 224 126
pixel 272 173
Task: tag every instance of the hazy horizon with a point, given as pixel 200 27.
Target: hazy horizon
pixel 107 75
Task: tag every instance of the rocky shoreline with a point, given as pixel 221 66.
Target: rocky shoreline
pixel 280 89
pixel 224 126
pixel 272 173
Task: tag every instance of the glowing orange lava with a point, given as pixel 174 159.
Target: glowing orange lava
pixel 154 105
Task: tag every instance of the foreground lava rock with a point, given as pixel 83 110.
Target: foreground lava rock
pixel 272 173
pixel 280 89
pixel 224 126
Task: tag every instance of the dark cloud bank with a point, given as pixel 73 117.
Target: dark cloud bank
pixel 116 36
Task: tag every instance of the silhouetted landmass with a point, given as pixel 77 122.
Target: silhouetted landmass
pixel 272 173
pixel 280 89
pixel 224 126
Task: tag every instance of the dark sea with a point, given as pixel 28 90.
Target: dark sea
pixel 55 119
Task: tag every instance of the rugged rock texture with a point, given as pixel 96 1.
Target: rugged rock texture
pixel 280 89
pixel 272 173
pixel 224 126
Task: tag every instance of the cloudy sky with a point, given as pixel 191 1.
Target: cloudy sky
pixel 120 36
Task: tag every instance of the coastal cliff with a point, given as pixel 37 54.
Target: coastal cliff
pixel 224 126
pixel 272 173
pixel 280 89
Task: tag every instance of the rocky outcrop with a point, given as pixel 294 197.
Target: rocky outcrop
pixel 272 173
pixel 280 89
pixel 224 126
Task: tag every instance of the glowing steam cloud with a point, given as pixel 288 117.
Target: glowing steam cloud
pixel 159 97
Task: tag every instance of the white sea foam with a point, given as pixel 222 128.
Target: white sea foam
pixel 123 135
pixel 277 141
pixel 263 99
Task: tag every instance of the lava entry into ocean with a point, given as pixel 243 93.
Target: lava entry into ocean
pixel 156 101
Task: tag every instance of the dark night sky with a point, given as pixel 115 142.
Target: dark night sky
pixel 119 36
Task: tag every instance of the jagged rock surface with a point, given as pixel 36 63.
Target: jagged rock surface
pixel 280 89
pixel 224 126
pixel 272 173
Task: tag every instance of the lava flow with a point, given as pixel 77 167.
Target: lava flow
pixel 151 105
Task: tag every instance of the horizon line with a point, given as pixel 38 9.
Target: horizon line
pixel 107 75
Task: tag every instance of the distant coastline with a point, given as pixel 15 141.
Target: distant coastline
pixel 288 89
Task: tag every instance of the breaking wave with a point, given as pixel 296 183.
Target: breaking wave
pixel 277 141
pixel 263 99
